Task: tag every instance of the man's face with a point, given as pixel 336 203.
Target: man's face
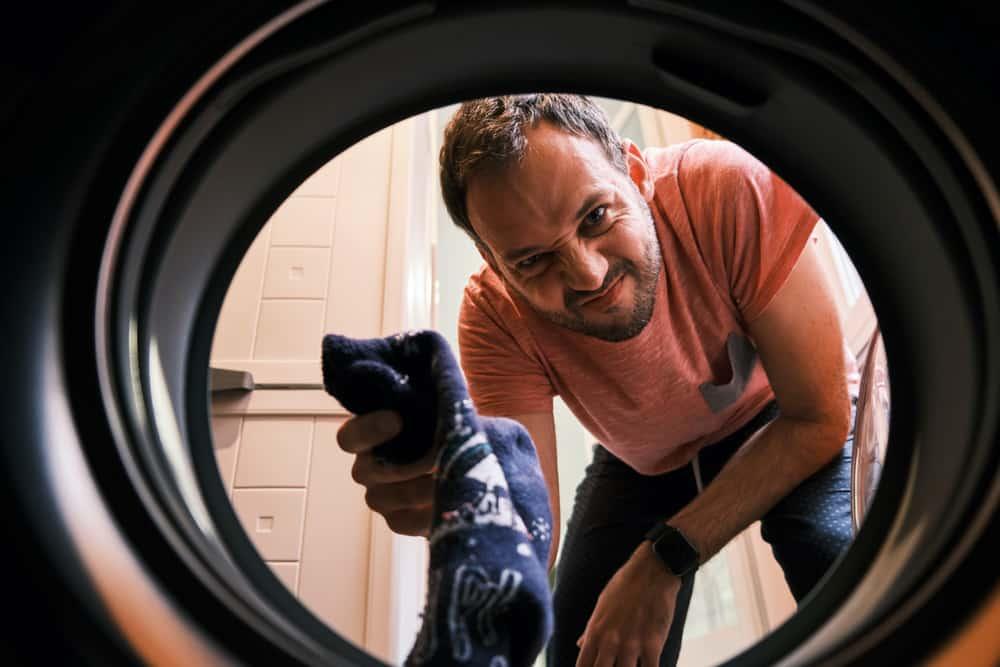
pixel 571 233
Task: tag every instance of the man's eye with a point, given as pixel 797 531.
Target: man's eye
pixel 595 217
pixel 529 262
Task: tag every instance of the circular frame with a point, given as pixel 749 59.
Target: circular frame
pixel 862 132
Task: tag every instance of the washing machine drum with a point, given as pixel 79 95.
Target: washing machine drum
pixel 144 149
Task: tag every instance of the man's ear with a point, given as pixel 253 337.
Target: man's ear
pixel 638 170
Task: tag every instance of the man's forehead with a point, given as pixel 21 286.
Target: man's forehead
pixel 544 189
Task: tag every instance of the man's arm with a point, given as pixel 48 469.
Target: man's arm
pixel 541 426
pixel 799 340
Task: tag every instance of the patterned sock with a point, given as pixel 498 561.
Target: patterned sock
pixel 488 598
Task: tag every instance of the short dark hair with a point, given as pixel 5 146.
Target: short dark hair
pixel 489 133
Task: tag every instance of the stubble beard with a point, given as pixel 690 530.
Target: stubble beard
pixel 645 276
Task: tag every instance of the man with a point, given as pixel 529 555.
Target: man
pixel 672 298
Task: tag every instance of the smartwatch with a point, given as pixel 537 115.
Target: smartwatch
pixel 670 545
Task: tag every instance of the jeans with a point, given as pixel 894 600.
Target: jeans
pixel 615 506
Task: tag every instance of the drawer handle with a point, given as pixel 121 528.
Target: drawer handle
pixel 225 380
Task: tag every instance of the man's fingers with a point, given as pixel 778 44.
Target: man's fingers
pixel 628 654
pixel 402 494
pixel 606 657
pixel 365 432
pixel 409 494
pixel 368 471
pixel 650 656
pixel 625 654
pixel 588 653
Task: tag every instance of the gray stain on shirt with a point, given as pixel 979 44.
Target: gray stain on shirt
pixel 742 359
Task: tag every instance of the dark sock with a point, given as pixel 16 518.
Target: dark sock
pixel 488 597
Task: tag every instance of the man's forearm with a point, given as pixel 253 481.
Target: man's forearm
pixel 765 469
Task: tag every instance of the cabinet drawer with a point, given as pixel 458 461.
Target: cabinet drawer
pixel 274 451
pixel 288 574
pixel 225 441
pixel 296 273
pixel 273 520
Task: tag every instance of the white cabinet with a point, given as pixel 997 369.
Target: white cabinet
pixel 273 520
pixel 344 253
pixel 261 438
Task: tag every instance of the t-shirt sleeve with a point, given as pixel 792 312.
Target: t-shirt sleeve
pixel 505 376
pixel 749 224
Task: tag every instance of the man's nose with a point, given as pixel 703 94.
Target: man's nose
pixel 583 269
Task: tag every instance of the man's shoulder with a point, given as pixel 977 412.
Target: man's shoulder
pixel 484 285
pixel 485 295
pixel 490 318
pixel 663 161
pixel 708 175
pixel 699 157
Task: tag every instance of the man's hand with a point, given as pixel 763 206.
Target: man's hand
pixel 632 618
pixel 402 494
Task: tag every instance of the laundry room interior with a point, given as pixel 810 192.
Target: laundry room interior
pixel 364 247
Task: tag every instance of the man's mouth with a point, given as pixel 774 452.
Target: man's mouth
pixel 607 295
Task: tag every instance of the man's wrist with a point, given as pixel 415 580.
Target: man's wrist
pixel 673 549
pixel 657 576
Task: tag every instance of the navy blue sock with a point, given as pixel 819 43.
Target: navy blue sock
pixel 488 598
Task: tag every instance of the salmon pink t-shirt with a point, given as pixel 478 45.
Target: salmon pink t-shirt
pixel 730 232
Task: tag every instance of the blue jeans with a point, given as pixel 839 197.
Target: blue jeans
pixel 615 506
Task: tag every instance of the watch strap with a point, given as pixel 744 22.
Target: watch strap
pixel 673 548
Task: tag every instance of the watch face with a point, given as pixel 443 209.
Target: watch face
pixel 676 552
